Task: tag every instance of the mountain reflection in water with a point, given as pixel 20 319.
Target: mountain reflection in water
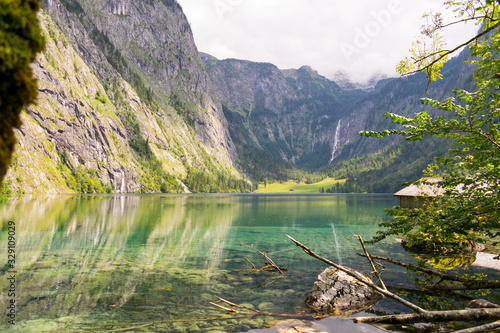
pixel 155 262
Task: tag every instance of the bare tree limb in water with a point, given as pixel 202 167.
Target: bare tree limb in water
pixel 236 308
pixel 464 283
pixel 269 264
pixel 359 277
pixel 251 263
pixel 482 328
pixel 434 316
pixel 491 312
pixel 369 257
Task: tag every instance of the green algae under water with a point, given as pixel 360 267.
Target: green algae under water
pixel 153 263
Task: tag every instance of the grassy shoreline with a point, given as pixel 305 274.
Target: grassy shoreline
pixel 294 187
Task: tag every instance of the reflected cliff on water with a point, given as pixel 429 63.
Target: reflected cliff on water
pixel 76 251
pixel 114 261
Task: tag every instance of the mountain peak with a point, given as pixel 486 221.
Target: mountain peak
pixel 345 82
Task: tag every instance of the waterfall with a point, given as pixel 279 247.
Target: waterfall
pixel 335 141
pixel 337 245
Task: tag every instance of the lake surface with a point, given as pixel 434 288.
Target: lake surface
pixel 153 263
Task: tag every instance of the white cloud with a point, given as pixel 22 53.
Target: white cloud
pixel 360 37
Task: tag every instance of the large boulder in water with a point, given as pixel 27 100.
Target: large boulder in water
pixel 336 292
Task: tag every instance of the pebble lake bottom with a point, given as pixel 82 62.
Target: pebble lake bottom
pixel 154 263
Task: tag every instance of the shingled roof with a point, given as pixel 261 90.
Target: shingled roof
pixel 427 188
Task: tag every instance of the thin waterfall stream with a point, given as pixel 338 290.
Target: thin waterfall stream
pixel 335 141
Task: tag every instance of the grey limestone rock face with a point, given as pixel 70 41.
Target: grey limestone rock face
pixel 335 292
pixel 114 72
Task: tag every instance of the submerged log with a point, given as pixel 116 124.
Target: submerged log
pixel 434 316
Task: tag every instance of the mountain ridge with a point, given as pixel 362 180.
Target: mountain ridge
pixel 309 121
pixel 128 104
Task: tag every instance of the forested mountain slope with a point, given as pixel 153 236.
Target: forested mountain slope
pixel 306 120
pixel 295 115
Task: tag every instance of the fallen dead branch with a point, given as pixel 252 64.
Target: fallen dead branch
pixel 141 325
pixel 434 316
pixel 369 257
pixel 464 283
pixel 240 309
pixel 485 313
pixel 359 277
pixel 269 265
pixel 471 285
pixel 251 263
pixel 482 328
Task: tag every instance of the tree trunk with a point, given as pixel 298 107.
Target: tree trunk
pixel 434 316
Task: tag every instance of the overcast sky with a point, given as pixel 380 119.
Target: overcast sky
pixel 360 37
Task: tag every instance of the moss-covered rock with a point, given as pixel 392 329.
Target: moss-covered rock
pixel 20 41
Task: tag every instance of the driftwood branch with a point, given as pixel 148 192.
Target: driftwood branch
pixel 483 310
pixel 443 276
pixel 229 310
pixel 464 284
pixel 368 256
pixel 251 263
pixel 269 264
pixel 434 316
pixel 471 285
pixel 240 309
pixel 482 328
pixel 359 277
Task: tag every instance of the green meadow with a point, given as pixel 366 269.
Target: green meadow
pixel 294 187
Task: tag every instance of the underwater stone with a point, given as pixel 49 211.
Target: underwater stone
pixel 335 292
pixel 244 328
pixel 193 328
pixel 178 328
pixel 206 298
pixel 267 307
pixel 248 305
pixel 246 279
pixel 253 323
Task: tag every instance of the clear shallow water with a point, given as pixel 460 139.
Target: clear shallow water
pixel 153 263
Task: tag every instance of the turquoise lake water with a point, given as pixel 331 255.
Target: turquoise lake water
pixel 153 263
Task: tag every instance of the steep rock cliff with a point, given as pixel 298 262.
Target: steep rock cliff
pixel 302 118
pixel 124 101
pixel 150 44
pixel 296 115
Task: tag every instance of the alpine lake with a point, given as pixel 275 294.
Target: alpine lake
pixel 154 263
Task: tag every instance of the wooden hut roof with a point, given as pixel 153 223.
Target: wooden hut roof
pixel 426 188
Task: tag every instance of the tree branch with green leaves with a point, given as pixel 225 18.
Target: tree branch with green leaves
pixel 467 212
pixel 429 53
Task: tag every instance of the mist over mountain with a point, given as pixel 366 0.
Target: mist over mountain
pixel 344 81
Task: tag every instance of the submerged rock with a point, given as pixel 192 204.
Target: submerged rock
pixel 335 292
pixel 267 307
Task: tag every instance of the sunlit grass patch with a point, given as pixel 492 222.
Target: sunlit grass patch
pixel 294 187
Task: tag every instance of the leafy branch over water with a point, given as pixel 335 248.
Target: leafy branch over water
pixel 467 212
